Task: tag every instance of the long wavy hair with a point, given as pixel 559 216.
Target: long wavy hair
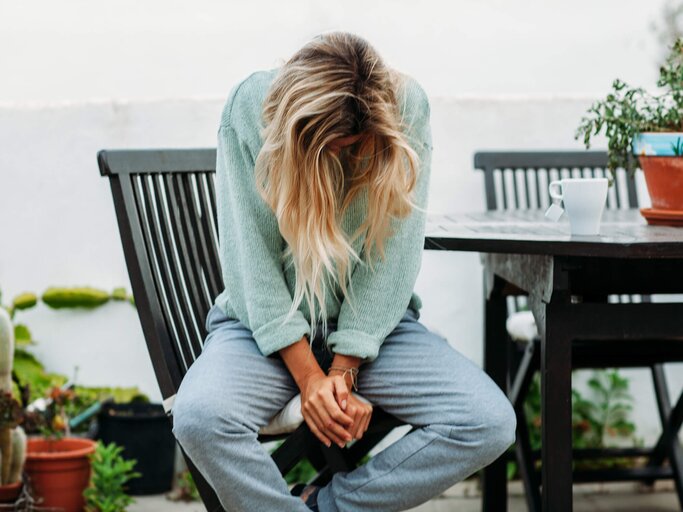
pixel 335 86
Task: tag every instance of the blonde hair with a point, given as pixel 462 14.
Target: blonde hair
pixel 335 86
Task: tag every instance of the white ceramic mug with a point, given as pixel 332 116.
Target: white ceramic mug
pixel 584 201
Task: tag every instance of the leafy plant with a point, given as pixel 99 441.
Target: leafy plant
pixel 598 421
pixel 53 422
pixel 628 111
pixel 110 473
pixel 303 471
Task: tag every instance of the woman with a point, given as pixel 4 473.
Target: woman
pixel 321 184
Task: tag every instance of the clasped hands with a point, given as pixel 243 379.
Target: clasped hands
pixel 332 411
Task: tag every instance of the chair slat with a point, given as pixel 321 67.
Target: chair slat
pixel 187 259
pixel 176 258
pixel 166 281
pixel 209 229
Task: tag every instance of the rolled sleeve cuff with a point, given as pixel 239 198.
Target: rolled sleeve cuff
pixel 351 342
pixel 275 335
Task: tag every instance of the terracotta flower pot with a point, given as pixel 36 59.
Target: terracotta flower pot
pixel 60 470
pixel 664 179
pixel 10 492
pixel 662 163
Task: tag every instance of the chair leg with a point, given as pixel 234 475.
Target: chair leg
pixel 521 382
pixel 291 451
pixel 659 451
pixel 494 476
pixel 521 378
pixel 526 462
pixel 669 435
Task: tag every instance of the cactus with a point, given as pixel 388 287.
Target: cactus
pixel 12 437
pixel 6 350
pixel 119 294
pixel 25 300
pixel 86 297
pixel 18 454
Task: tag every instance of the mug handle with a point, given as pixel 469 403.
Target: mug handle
pixel 553 193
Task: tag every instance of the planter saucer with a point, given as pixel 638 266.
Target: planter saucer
pixel 659 217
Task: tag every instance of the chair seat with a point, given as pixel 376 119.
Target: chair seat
pixel 521 326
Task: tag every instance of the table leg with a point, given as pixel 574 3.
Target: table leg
pixel 494 477
pixel 556 432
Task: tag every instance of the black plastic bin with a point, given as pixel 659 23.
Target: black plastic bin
pixel 144 432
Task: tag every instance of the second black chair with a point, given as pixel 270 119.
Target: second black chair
pixel 519 181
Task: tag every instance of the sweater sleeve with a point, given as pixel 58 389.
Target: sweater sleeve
pixel 250 249
pixel 381 297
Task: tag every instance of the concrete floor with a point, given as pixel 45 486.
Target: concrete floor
pixel 583 502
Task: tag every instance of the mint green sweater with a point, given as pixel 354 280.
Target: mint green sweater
pixel 259 288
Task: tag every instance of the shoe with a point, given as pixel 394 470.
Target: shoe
pixel 297 489
pixel 312 499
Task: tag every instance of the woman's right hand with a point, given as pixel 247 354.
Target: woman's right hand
pixel 322 412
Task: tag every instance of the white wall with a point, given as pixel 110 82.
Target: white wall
pixel 78 49
pixel 79 76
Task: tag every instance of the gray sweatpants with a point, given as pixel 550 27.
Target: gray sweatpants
pixel 465 421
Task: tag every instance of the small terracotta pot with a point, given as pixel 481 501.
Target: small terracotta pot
pixel 664 179
pixel 60 470
pixel 10 492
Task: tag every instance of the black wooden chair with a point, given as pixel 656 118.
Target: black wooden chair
pixel 519 180
pixel 166 209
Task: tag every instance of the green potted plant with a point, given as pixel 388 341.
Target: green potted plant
pixel 108 484
pixel 650 127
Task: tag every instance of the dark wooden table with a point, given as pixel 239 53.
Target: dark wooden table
pixel 564 276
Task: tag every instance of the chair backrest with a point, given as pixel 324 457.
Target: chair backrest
pixel 518 180
pixel 166 210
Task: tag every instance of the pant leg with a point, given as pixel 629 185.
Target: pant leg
pixel 465 422
pixel 229 392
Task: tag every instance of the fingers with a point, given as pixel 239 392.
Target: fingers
pixel 342 392
pixel 363 421
pixel 332 413
pixel 316 431
pixel 334 410
pixel 358 425
pixel 333 429
pixel 321 421
pixel 361 413
pixel 367 420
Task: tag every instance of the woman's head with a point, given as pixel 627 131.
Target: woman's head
pixel 334 94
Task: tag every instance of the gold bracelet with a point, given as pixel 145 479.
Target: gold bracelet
pixel 353 371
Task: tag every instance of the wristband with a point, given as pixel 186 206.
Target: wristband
pixel 353 371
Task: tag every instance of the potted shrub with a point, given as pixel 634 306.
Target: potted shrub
pixel 57 463
pixel 649 126
pixel 109 482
